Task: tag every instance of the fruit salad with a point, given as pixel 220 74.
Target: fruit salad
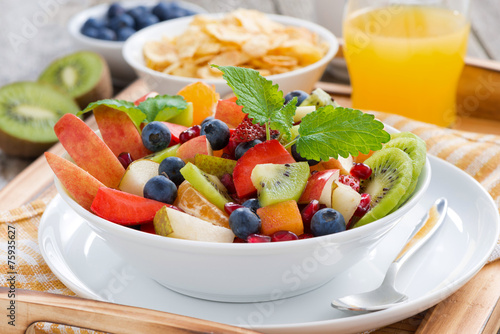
pixel 258 167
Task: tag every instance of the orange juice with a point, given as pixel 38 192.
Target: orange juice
pixel 406 60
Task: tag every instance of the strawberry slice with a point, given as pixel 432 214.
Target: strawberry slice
pixel 270 151
pixel 246 131
pixel 124 208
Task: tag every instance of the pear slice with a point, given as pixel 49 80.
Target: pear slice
pixel 137 174
pixel 173 223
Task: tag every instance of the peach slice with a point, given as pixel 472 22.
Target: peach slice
pixel 283 216
pixel 81 186
pixel 88 150
pixel 188 150
pixel 229 112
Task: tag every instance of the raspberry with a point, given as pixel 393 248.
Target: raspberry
pixel 246 131
pixel 350 180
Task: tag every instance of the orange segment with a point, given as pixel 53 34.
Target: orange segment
pixel 283 216
pixel 204 99
pixel 193 202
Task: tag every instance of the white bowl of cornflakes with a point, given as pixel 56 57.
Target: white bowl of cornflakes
pixel 291 52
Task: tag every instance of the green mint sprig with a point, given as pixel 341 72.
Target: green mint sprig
pixel 327 132
pixel 158 108
pixel 261 100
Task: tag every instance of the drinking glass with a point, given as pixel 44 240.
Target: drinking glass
pixel 406 57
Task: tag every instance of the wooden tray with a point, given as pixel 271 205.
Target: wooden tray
pixel 473 309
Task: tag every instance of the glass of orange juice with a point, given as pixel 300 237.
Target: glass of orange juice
pixel 406 56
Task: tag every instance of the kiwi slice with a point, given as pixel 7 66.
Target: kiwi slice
pixel 319 98
pixel 416 149
pixel 392 171
pixel 207 184
pixel 83 75
pixel 28 113
pixel 280 182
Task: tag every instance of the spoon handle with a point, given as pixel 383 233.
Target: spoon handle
pixel 429 224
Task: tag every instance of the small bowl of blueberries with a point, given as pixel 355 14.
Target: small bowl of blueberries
pixel 104 28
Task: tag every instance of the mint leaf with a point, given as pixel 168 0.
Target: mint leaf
pixel 135 114
pixel 163 107
pixel 260 99
pixel 332 132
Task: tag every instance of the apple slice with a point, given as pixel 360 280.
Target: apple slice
pixel 342 164
pixel 119 132
pixel 124 208
pixel 81 186
pixel 188 150
pixel 345 200
pixel 145 97
pixel 173 223
pixel 88 150
pixel 137 174
pixel 320 186
pixel 175 131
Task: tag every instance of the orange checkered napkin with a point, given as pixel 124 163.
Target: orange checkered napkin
pixel 477 154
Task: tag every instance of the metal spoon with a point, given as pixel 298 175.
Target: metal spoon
pixel 386 295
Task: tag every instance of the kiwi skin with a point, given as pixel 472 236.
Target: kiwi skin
pixel 17 147
pixel 103 89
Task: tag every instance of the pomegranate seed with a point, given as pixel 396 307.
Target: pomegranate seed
pixel 125 159
pixel 308 212
pixel 363 206
pixel 361 171
pixel 189 133
pixel 350 181
pixel 227 181
pixel 306 236
pixel 283 236
pixel 229 207
pixel 256 238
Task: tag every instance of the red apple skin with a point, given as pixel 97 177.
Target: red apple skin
pixel 316 184
pixel 119 132
pixel 197 145
pixel 81 186
pixel 175 131
pixel 88 150
pixel 145 97
pixel 124 208
pixel 229 112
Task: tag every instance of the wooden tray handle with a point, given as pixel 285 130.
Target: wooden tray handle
pixel 34 306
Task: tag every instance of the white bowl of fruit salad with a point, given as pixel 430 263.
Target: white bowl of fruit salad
pixel 234 211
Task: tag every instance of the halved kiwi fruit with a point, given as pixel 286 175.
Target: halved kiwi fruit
pixel 28 113
pixel 84 75
pixel 392 171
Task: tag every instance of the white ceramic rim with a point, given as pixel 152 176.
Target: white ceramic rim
pixel 76 22
pixel 135 41
pixel 154 240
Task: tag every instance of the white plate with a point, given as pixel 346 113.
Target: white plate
pixel 87 266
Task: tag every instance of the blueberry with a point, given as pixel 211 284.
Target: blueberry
pixel 91 32
pixel 178 11
pixel 242 148
pixel 252 203
pixel 171 167
pixel 161 189
pixel 156 136
pixel 162 10
pixel 296 155
pixel 146 21
pixel 93 23
pixel 115 9
pixel 209 118
pixel 106 34
pixel 300 94
pixel 327 221
pixel 137 11
pixel 121 21
pixel 217 133
pixel 244 222
pixel 124 33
